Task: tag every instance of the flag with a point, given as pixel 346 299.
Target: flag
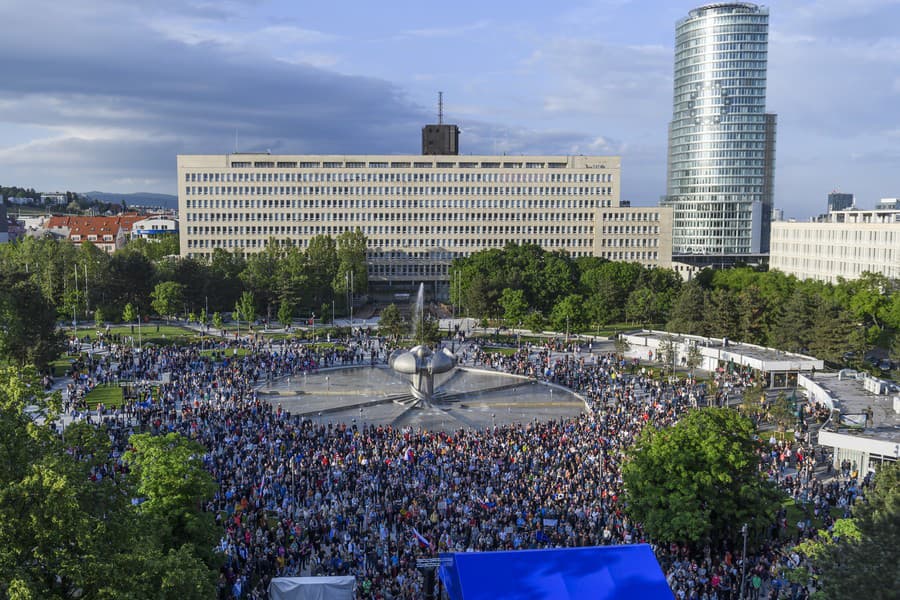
pixel 421 538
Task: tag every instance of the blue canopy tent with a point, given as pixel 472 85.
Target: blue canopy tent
pixel 588 573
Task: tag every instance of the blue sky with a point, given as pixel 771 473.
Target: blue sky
pixel 104 94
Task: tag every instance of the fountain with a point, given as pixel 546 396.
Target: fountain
pixel 464 396
pixel 420 361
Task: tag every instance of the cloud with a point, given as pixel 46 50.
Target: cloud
pixel 447 32
pixel 121 105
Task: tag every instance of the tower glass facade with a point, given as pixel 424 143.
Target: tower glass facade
pixel 721 140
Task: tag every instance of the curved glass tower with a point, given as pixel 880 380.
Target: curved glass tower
pixel 721 141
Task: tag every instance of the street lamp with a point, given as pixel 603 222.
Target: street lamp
pixel 743 563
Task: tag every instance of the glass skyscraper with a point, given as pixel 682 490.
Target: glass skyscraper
pixel 721 156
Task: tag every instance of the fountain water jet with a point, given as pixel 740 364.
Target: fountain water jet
pixel 420 361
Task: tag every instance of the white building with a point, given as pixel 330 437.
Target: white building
pixel 153 226
pixel 418 212
pixel 845 244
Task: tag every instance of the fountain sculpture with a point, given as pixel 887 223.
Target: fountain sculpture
pixel 420 361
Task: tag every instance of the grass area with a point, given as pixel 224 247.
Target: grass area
pixel 61 365
pixel 502 351
pixel 796 512
pixel 160 335
pixel 110 395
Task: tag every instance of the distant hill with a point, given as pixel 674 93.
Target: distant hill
pixel 136 199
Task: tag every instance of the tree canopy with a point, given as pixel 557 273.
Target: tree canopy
pixel 698 481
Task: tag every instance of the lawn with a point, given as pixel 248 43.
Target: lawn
pixel 795 513
pixel 61 365
pixel 501 351
pixel 160 335
pixel 109 395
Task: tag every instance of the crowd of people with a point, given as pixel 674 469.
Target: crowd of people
pixel 302 497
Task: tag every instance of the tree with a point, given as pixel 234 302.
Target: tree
pixel 322 265
pixel 391 323
pixel 99 318
pixel 285 314
pixel 67 535
pixel 351 255
pixel 698 481
pixel 568 314
pixel 245 309
pixel 641 306
pixel 688 314
pixel 426 331
pixel 535 322
pixel 621 344
pixel 27 325
pixel 859 557
pixel 694 356
pixel 260 275
pixel 167 298
pixel 173 483
pixel 217 321
pixel 129 313
pixel 514 306
pixel 668 353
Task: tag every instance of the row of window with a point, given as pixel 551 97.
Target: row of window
pixel 397 203
pixel 206 177
pixel 194 190
pixel 629 230
pixel 386 217
pixel 471 245
pixel 378 230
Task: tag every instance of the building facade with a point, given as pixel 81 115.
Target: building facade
pixel 843 244
pixel 839 201
pixel 721 157
pixel 418 212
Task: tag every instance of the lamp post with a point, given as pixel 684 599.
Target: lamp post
pixel 743 563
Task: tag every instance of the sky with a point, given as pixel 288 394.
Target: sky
pixel 102 95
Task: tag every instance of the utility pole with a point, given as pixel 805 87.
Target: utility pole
pixel 743 562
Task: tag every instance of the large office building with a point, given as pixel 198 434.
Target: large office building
pixel 844 244
pixel 418 212
pixel 721 158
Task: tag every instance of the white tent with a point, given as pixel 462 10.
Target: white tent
pixel 312 588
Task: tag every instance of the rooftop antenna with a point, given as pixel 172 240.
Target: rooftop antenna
pixel 440 108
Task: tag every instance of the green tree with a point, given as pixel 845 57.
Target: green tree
pixel 668 352
pixel 285 314
pixel 688 314
pixel 167 298
pixel 426 331
pixel 569 314
pixel 535 322
pixel 351 256
pixel 641 306
pixel 245 309
pixel 858 558
pixel 68 536
pixel 28 333
pixel 514 306
pixel 794 324
pixel 217 321
pixel 99 318
pixel 831 332
pixel 391 323
pixel 174 485
pixel 260 275
pixel 698 481
pixel 129 313
pixel 322 265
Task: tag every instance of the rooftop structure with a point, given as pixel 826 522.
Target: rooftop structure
pixel 865 424
pixel 775 369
